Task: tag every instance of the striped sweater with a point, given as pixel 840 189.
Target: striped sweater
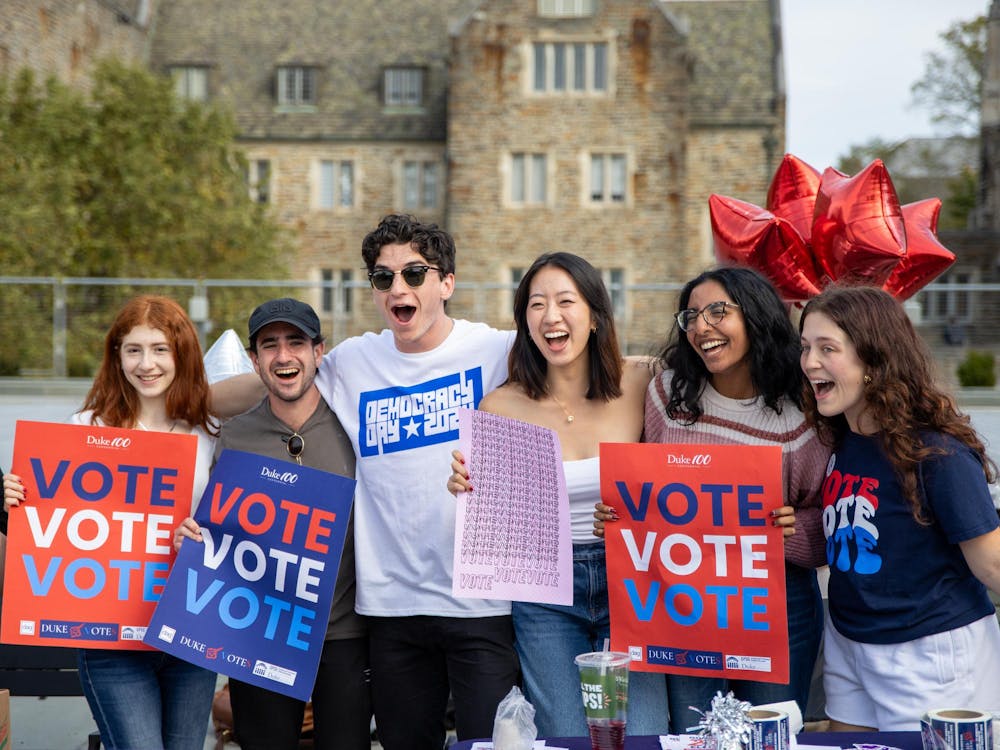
pixel 727 421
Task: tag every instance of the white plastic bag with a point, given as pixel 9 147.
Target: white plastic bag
pixel 226 357
pixel 514 726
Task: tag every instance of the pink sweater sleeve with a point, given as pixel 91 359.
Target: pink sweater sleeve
pixel 807 546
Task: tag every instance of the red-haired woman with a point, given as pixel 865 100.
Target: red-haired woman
pixel 151 378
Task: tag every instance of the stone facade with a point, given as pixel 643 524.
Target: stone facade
pixel 693 105
pixel 65 37
pixel 443 108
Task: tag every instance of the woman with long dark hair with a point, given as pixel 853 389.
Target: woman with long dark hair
pixel 730 377
pixel 566 373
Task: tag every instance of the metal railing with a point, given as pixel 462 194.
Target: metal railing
pixel 54 326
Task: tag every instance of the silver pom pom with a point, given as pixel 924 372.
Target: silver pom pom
pixel 728 722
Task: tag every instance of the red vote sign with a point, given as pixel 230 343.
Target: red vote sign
pixel 89 550
pixel 696 572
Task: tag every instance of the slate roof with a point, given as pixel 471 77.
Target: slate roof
pixel 734 48
pixel 737 68
pixel 349 42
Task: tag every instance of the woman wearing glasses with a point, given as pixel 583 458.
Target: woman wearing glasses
pixel 151 378
pixel 566 373
pixel 730 376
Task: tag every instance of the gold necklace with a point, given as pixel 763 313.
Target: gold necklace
pixel 569 417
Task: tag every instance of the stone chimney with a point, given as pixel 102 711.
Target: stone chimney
pixel 987 213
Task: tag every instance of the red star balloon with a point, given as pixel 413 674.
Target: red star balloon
pixel 792 194
pixel 858 232
pixel 926 258
pixel 746 234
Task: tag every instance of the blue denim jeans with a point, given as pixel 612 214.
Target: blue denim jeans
pixel 805 630
pixel 550 635
pixel 146 700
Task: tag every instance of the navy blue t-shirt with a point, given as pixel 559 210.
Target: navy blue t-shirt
pixel 892 579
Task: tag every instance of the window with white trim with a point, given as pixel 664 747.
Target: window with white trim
pixel 614 280
pixel 190 82
pixel 403 87
pixel 420 184
pixel 335 184
pixel 528 180
pixel 569 67
pixel 516 274
pixel 954 306
pixel 259 180
pixel 331 302
pixel 608 182
pixel 566 8
pixel 296 85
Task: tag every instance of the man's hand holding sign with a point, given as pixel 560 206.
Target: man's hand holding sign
pixel 695 561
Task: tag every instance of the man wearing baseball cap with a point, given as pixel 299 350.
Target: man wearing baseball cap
pixel 293 423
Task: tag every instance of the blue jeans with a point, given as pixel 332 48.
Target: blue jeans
pixel 805 630
pixel 550 635
pixel 146 700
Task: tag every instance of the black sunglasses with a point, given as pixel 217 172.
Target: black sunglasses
pixel 294 444
pixel 381 278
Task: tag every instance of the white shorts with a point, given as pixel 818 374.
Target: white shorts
pixel 890 686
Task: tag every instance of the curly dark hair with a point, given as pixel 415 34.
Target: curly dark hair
pixel 902 398
pixel 434 244
pixel 527 365
pixel 774 345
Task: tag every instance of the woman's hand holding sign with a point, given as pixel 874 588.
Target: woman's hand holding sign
pixel 189 528
pixel 784 517
pixel 458 480
pixel 13 491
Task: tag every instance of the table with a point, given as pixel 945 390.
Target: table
pixel 901 740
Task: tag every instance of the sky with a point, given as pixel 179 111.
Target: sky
pixel 849 65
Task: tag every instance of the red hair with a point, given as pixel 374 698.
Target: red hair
pixel 113 399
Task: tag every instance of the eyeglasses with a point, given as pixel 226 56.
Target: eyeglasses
pixel 294 444
pixel 712 313
pixel 381 278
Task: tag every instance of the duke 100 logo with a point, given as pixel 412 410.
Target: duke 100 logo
pixel 285 477
pixel 698 459
pixel 103 442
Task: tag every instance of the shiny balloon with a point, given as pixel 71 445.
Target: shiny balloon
pixel 926 258
pixel 858 233
pixel 748 235
pixel 792 194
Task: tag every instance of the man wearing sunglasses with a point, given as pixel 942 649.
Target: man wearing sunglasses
pixel 397 393
pixel 293 423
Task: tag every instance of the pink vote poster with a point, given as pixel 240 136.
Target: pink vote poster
pixel 512 537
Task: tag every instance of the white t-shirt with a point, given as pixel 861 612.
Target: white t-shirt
pixel 399 410
pixel 203 460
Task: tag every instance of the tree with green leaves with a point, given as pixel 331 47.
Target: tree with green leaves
pixel 123 180
pixel 951 88
pixel 127 180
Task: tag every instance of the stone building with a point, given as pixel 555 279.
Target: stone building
pixel 65 37
pixel 522 126
pixel 602 128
